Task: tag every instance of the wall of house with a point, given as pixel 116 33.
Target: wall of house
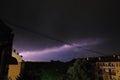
pixel 108 70
pixel 15 69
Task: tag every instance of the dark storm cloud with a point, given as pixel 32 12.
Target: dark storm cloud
pixel 60 17
pixel 71 21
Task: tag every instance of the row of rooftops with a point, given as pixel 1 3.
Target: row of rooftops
pixel 112 58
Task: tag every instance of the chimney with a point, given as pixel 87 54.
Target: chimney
pixel 14 51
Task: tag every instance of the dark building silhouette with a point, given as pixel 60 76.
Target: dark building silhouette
pixel 6 39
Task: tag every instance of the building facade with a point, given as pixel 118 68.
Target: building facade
pixel 6 39
pixel 108 68
pixel 15 69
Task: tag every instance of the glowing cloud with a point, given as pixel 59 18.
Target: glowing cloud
pixel 48 53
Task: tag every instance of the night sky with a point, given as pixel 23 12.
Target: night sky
pixel 54 29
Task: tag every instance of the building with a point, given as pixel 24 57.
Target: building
pixel 6 39
pixel 15 69
pixel 108 68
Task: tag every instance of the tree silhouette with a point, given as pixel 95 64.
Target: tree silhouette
pixel 81 70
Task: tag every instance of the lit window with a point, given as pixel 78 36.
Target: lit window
pixel 118 57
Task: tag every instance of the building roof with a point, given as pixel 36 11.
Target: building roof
pixel 5 33
pixel 17 56
pixel 112 58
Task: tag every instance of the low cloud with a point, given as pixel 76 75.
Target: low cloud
pixel 53 52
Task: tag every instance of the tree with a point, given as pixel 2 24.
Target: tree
pixel 81 70
pixel 29 75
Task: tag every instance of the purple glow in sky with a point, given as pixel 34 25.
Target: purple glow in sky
pixel 71 22
pixel 63 52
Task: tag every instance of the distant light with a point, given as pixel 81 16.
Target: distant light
pixel 99 58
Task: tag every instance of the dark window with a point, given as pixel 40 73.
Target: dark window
pixel 116 64
pixel 119 78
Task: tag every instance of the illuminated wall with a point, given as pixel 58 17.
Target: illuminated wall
pixel 109 70
pixel 15 69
